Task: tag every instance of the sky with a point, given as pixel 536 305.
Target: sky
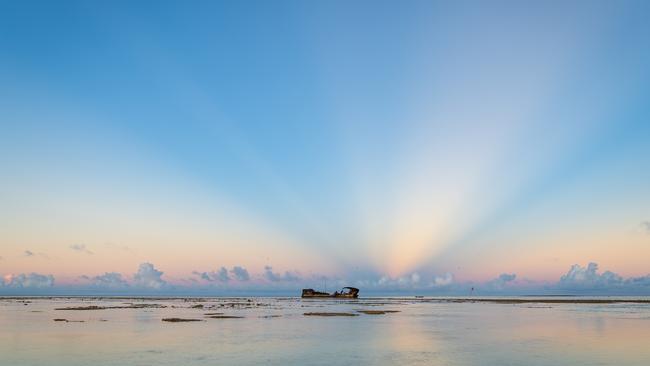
pixel 252 146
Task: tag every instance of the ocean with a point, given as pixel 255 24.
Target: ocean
pixel 292 331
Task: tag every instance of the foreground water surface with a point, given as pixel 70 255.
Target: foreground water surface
pixel 276 331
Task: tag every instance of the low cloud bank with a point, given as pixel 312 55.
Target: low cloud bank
pixel 500 283
pixel 223 275
pixel 111 280
pixel 277 277
pixel 147 278
pixel 577 280
pixel 30 280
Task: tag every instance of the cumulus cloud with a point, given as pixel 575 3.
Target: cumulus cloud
pixel 31 280
pixel 148 277
pixel 108 280
pixel 501 282
pixel 220 275
pixel 80 248
pixel 588 279
pixel 579 276
pixel 444 280
pixel 277 277
pixel 412 280
pixel 643 281
pixel 224 275
pixel 240 273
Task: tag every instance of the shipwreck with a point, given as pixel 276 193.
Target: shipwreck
pixel 346 292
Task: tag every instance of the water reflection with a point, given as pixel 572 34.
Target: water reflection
pixel 422 332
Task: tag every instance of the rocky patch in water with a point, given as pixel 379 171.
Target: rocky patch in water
pixel 68 321
pixel 377 312
pixel 180 320
pixel 225 317
pixel 132 306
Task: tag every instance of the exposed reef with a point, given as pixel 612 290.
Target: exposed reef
pixel 132 306
pixel 225 317
pixel 68 321
pixel 180 320
pixel 377 312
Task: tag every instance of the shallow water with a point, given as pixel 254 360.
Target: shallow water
pixel 274 331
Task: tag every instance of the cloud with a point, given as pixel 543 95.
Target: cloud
pixel 240 273
pixel 224 275
pixel 148 277
pixel 218 276
pixel 444 280
pixel 643 281
pixel 31 280
pixel 588 277
pixel 276 277
pixel 500 282
pixel 410 281
pixel 29 253
pixel 108 280
pixel 80 248
pixel 577 280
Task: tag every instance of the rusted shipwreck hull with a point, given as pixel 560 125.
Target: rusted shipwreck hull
pixel 346 293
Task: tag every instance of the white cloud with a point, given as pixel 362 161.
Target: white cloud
pixel 109 280
pixel 80 248
pixel 643 281
pixel 148 277
pixel 240 273
pixel 579 276
pixel 500 282
pixel 409 281
pixel 444 280
pixel 224 275
pixel 276 277
pixel 31 280
pixel 218 276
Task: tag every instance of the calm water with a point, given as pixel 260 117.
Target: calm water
pixel 421 333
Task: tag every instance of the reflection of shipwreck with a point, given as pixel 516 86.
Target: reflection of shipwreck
pixel 346 292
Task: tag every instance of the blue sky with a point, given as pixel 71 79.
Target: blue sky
pixel 349 140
